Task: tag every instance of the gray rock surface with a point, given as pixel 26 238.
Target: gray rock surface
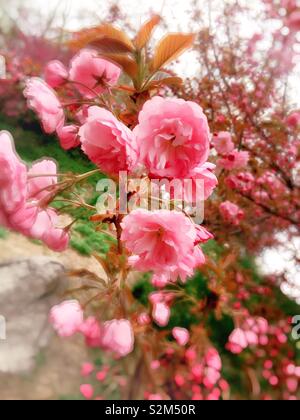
pixel 28 289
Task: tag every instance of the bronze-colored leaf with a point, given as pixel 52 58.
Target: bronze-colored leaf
pixel 115 33
pixel 169 48
pixel 128 64
pixel 88 36
pixel 110 45
pixel 144 34
pixel 81 39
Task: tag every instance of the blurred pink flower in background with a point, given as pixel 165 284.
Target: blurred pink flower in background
pixel 87 369
pixel 66 318
pixel 43 100
pixel 223 143
pixel 234 160
pixel 87 391
pixel 293 120
pixel 181 335
pixel 161 313
pixel 231 213
pixel 118 337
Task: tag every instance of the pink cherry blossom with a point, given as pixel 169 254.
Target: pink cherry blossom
pixel 262 325
pixel 9 160
pixel 68 137
pixel 156 297
pixel 211 377
pixel 87 369
pixel 243 181
pixel 43 100
pixel 118 337
pixel 191 354
pixel 251 338
pixel 197 371
pixel 155 364
pixel 161 314
pixel 163 242
pixel 198 185
pixel 173 137
pixel 293 120
pixel 292 384
pixel 237 341
pixel 87 391
pixel 205 174
pixel 22 219
pixel 144 319
pixel 224 385
pixel 214 395
pixel 234 160
pixel 223 143
pixel 21 195
pixel 45 229
pixel 107 142
pixel 160 281
pixel 179 380
pixel 66 318
pixel 101 375
pixel 213 359
pixel 55 74
pixel 293 21
pixel 38 185
pixel 203 235
pixel 92 331
pixel 155 397
pixel 181 335
pixel 13 176
pixel 57 239
pixel 93 75
pixel 231 213
pixel 15 212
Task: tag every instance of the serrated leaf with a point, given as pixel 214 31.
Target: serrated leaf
pixel 169 48
pixel 128 64
pixel 115 33
pixel 110 45
pixel 88 36
pixel 144 34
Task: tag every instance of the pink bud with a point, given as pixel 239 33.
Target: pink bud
pixel 87 369
pixel 161 314
pixel 181 335
pixel 87 391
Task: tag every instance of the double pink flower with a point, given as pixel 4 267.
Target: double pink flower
pixel 164 242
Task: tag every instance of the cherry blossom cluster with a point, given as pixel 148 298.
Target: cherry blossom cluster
pixel 231 158
pixel 24 197
pixel 252 332
pixel 115 335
